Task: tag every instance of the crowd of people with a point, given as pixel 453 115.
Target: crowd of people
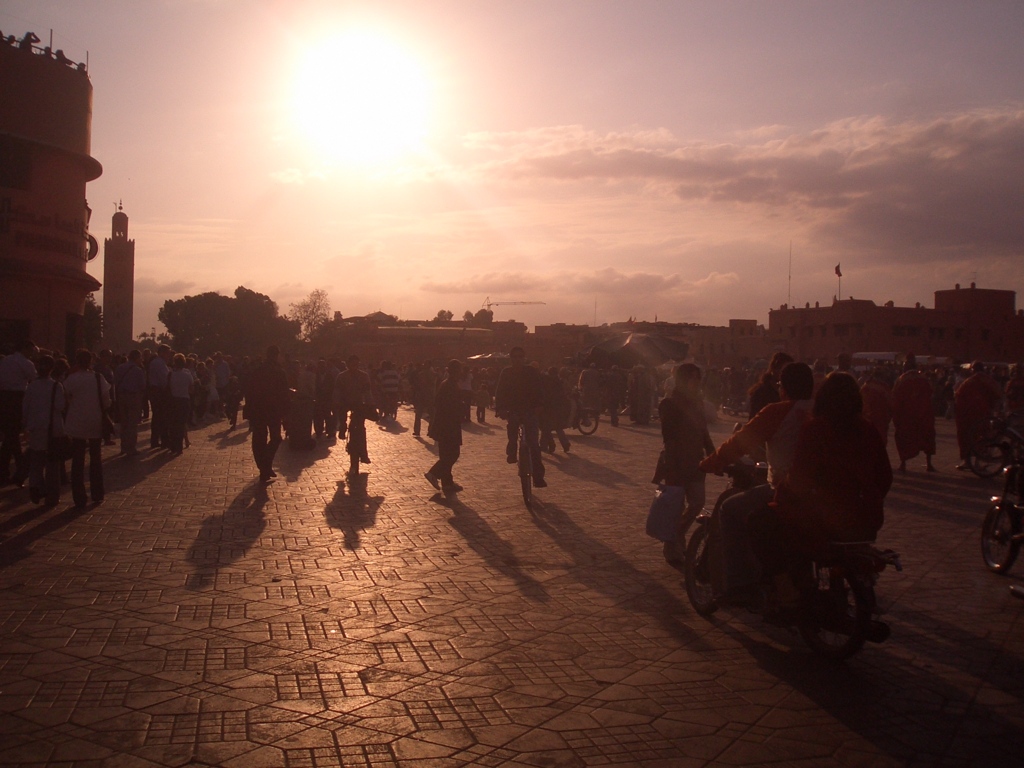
pixel 806 422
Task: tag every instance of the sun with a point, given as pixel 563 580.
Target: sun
pixel 360 99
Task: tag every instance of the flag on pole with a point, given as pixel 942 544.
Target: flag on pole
pixel 838 272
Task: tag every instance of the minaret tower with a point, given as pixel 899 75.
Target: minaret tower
pixel 118 285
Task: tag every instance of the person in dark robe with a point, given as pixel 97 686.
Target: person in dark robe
pixel 913 417
pixel 974 401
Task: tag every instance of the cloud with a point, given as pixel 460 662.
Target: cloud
pixel 152 285
pixel 917 189
pixel 607 281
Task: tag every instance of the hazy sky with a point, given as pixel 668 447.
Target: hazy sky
pixel 647 158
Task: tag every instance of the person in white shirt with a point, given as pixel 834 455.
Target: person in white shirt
pixel 88 396
pixel 16 371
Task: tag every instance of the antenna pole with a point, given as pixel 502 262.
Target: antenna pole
pixel 789 295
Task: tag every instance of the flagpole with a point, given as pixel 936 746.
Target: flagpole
pixel 789 295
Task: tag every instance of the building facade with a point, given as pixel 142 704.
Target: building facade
pixel 966 324
pixel 45 136
pixel 118 285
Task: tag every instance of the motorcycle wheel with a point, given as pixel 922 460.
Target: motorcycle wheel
pixel 998 549
pixel 698 573
pixel 838 614
pixel 588 423
pixel 988 457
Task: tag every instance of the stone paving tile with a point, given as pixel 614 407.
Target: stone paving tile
pixel 195 618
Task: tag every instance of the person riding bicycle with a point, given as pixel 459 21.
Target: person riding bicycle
pixel 519 398
pixel 776 428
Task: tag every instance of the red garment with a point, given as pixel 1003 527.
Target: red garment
pixel 877 407
pixel 974 402
pixel 913 416
pixel 837 485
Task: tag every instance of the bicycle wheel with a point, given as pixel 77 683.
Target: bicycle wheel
pixel 988 457
pixel 998 548
pixel 839 614
pixel 588 422
pixel 697 573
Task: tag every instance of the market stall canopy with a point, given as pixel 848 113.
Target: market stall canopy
pixel 629 349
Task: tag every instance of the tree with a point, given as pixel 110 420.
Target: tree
pixel 312 312
pixel 443 316
pixel 92 323
pixel 479 318
pixel 243 324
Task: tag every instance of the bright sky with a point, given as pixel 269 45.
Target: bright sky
pixel 610 159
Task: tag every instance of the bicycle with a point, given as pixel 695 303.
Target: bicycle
pixel 1000 445
pixel 585 420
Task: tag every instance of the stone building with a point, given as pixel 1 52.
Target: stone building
pixel 45 135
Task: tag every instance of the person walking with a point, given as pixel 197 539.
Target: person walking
pixel 423 384
pixel 159 400
pixel 43 413
pixel 684 430
pixel 129 392
pixel 555 415
pixel 446 429
pixel 266 403
pixel 16 371
pixel 353 397
pixel 88 396
pixel 913 416
pixel 974 401
pixel 877 396
pixel 180 387
pixel 519 398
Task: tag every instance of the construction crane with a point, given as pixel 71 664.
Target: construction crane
pixel 488 303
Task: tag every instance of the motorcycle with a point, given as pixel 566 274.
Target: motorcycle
pixel 1001 531
pixel 836 614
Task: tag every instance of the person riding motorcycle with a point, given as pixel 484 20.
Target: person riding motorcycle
pixel 776 428
pixel 834 490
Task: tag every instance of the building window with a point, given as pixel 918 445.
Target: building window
pixel 899 330
pixel 792 331
pixel 913 330
pixel 841 329
pixel 984 334
pixel 958 333
pixel 936 333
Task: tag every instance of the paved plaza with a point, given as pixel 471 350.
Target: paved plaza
pixel 194 618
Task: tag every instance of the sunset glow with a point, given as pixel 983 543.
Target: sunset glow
pixel 690 161
pixel 360 99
